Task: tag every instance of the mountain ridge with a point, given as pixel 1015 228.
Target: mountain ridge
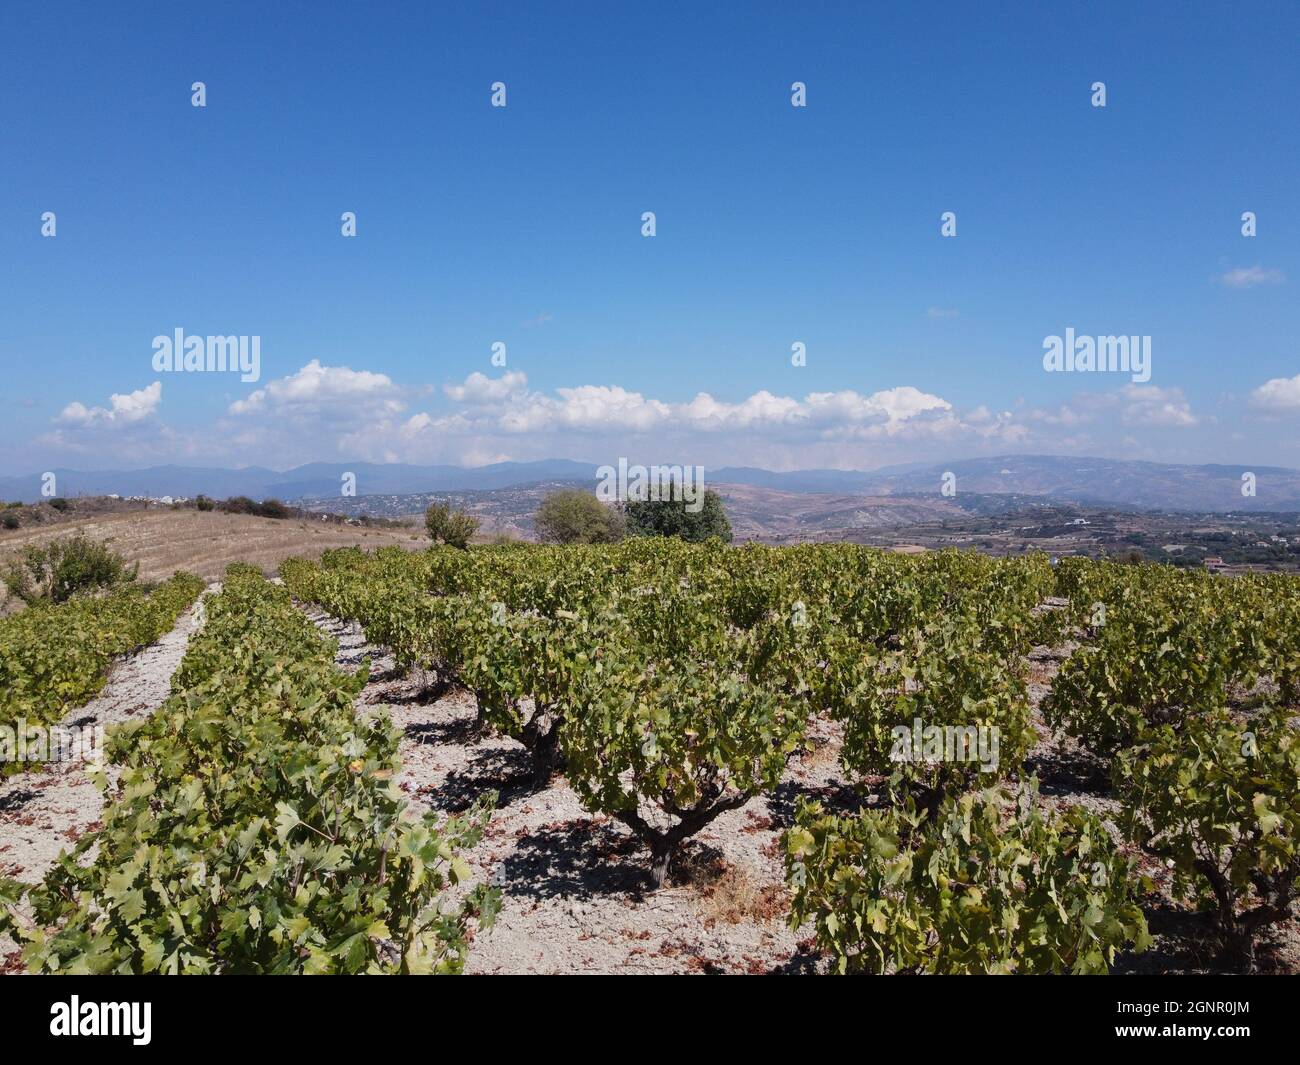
pixel 1083 479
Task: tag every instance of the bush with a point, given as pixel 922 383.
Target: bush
pixel 968 701
pixel 1158 657
pixel 669 517
pixel 202 502
pixel 666 751
pixel 10 520
pixel 981 888
pixel 451 527
pixel 577 517
pixel 1219 800
pixel 268 508
pixel 60 504
pixel 63 568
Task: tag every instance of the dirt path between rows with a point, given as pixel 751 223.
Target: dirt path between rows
pixel 45 811
pixel 575 886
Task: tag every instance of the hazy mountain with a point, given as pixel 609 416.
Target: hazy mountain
pixel 1146 485
pixel 317 480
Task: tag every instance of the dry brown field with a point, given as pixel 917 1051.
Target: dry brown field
pixel 205 542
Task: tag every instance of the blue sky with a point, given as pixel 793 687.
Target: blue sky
pixel 522 224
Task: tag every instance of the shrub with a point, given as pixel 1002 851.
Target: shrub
pixel 60 504
pixel 981 888
pixel 202 502
pixel 943 712
pixel 668 750
pixel 10 520
pixel 1219 799
pixel 66 567
pixel 1158 657
pixel 577 517
pixel 669 517
pixel 451 527
pixel 272 508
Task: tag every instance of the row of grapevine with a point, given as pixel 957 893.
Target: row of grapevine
pixel 673 682
pixel 1189 684
pixel 664 715
pixel 257 827
pixel 54 657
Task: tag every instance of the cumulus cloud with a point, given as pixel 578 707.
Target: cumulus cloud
pixel 505 405
pixel 317 388
pixel 1278 394
pixel 1250 276
pixel 479 388
pixel 123 409
pixel 322 411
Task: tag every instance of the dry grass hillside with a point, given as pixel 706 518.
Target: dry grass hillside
pixel 205 542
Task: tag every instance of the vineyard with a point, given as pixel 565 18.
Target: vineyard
pixel 53 657
pixel 258 826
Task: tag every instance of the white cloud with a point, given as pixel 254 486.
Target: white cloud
pixel 479 388
pixel 124 409
pixel 1250 276
pixel 316 387
pixel 942 312
pixel 322 412
pixel 1278 394
pixel 1132 404
pixel 505 405
pixel 1149 405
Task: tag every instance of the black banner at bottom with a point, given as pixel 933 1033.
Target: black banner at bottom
pixel 175 1016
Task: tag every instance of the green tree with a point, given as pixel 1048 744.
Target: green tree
pixel 577 517
pixel 64 568
pixel 671 517
pixel 451 527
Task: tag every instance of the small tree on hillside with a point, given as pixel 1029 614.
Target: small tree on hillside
pixel 669 517
pixel 577 517
pixel 64 568
pixel 451 527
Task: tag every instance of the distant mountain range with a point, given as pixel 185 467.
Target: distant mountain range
pixel 1103 482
